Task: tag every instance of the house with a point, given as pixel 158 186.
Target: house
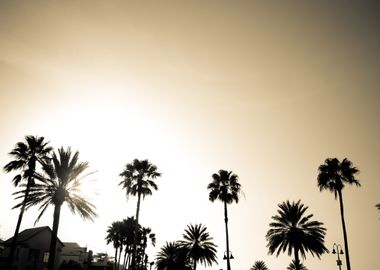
pixel 32 252
pixel 73 252
pixel 101 261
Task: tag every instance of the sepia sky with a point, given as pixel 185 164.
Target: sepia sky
pixel 267 90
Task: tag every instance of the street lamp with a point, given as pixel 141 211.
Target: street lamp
pixel 338 251
pixel 230 256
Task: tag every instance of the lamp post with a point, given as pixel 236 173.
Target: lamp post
pixel 338 251
pixel 228 256
pixel 151 264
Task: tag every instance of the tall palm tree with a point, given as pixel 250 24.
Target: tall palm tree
pixel 225 187
pixel 199 243
pixel 292 230
pixel 296 266
pixel 26 155
pixel 138 181
pixel 334 175
pixel 259 265
pixel 173 256
pixel 60 182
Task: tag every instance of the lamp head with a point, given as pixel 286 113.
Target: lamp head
pixel 341 251
pixel 333 251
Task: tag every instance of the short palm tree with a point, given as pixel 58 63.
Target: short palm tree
pixel 145 234
pixel 26 155
pixel 60 182
pixel 296 266
pixel 138 181
pixel 199 243
pixel 292 230
pixel 259 265
pixel 334 175
pixel 173 256
pixel 114 236
pixel 129 228
pixel 226 188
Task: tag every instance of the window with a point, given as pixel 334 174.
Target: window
pixel 46 256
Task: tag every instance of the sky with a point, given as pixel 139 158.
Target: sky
pixel 268 90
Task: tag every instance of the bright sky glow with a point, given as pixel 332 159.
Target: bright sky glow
pixel 267 91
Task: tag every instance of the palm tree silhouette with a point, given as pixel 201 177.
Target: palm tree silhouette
pixel 138 180
pixel 173 256
pixel 60 182
pixel 129 228
pixel 146 233
pixel 293 231
pixel 199 243
pixel 296 266
pixel 225 187
pixel 259 265
pixel 334 175
pixel 114 236
pixel 26 155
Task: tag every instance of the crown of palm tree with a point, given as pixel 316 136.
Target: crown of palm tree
pixel 259 265
pixel 199 243
pixel 173 256
pixel 333 174
pixel 137 177
pixel 61 182
pixel 114 234
pixel 25 155
pixel 146 233
pixel 224 187
pixel 293 266
pixel 292 230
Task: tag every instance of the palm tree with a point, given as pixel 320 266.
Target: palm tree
pixel 26 155
pixel 173 256
pixel 199 243
pixel 114 236
pixel 259 265
pixel 225 187
pixel 61 182
pixel 138 180
pixel 296 266
pixel 146 233
pixel 129 228
pixel 334 175
pixel 293 231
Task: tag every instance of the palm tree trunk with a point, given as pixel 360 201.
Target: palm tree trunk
pixel 344 229
pixel 125 257
pixel 128 260
pixel 296 259
pixel 17 230
pixel 121 250
pixel 115 258
pixel 53 241
pixel 135 233
pixel 195 265
pixel 227 241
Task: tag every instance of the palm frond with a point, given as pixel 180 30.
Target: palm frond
pixel 292 230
